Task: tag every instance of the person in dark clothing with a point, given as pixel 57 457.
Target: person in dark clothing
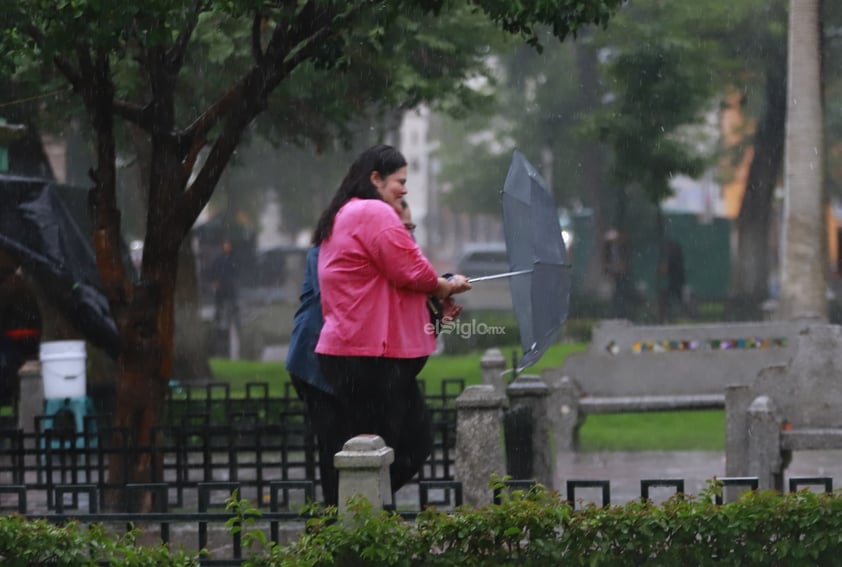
pixel 672 273
pixel 310 384
pixel 223 276
pixel 675 271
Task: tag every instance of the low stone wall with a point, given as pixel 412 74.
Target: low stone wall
pixel 631 360
pixel 787 407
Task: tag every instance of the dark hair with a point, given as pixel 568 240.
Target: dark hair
pixel 381 158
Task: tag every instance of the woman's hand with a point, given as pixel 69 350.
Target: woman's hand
pixel 452 285
pixel 450 310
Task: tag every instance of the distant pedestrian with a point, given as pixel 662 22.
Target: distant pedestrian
pixel 616 256
pixel 673 278
pixel 224 274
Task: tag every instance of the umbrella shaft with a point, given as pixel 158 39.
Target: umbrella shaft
pixel 498 276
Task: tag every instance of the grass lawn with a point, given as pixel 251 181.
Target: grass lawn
pixel 238 373
pixel 654 431
pixel 664 431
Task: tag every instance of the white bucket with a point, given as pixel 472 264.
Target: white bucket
pixel 63 369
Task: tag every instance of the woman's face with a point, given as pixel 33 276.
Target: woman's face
pixel 391 188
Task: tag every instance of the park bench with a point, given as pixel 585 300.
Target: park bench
pixel 796 406
pixel 632 368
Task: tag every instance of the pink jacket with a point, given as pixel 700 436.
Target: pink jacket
pixel 374 282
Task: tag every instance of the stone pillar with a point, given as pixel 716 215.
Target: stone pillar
pixel 737 401
pixel 529 392
pixel 363 467
pixel 479 442
pixel 764 443
pixel 563 409
pixel 493 364
pixel 31 395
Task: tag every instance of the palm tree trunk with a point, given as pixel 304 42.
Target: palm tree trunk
pixel 753 222
pixel 804 257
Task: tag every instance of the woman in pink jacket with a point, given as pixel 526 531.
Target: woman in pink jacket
pixel 376 337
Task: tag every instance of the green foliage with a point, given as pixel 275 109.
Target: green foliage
pixel 536 528
pixel 242 522
pixel 659 87
pixel 38 542
pixel 536 107
pixel 528 528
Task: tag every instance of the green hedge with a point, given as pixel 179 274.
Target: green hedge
pixel 536 529
pixel 529 528
pixel 24 543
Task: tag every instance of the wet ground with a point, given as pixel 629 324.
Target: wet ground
pixel 625 470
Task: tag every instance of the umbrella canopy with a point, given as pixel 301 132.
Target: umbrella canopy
pixel 535 248
pixel 40 226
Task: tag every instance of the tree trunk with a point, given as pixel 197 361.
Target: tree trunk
pixel 191 350
pixel 753 222
pixel 804 258
pixel 592 158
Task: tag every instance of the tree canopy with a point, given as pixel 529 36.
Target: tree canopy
pixel 133 62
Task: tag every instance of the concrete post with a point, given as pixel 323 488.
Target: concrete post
pixel 529 391
pixel 737 401
pixel 563 409
pixel 31 395
pixel 764 443
pixel 363 467
pixel 479 442
pixel 493 364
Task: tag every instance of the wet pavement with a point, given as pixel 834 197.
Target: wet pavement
pixel 625 470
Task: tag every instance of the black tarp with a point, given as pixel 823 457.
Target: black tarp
pixel 46 226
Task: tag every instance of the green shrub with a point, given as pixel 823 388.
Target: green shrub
pixel 531 528
pixel 38 542
pixel 535 528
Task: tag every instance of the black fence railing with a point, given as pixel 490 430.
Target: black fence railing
pixel 206 436
pixel 205 528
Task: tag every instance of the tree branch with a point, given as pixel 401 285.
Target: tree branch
pixel 175 55
pixel 74 77
pixel 133 113
pixel 209 118
pixel 283 55
pixel 256 28
pixel 271 64
pixel 288 48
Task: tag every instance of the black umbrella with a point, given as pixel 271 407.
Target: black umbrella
pixel 537 257
pixel 40 227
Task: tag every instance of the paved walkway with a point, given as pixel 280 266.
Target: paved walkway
pixel 625 470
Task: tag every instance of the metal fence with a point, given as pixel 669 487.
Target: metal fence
pixel 205 528
pixel 207 435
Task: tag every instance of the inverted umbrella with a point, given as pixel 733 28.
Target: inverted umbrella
pixel 40 225
pixel 537 256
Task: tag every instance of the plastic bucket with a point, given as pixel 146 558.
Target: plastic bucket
pixel 63 369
